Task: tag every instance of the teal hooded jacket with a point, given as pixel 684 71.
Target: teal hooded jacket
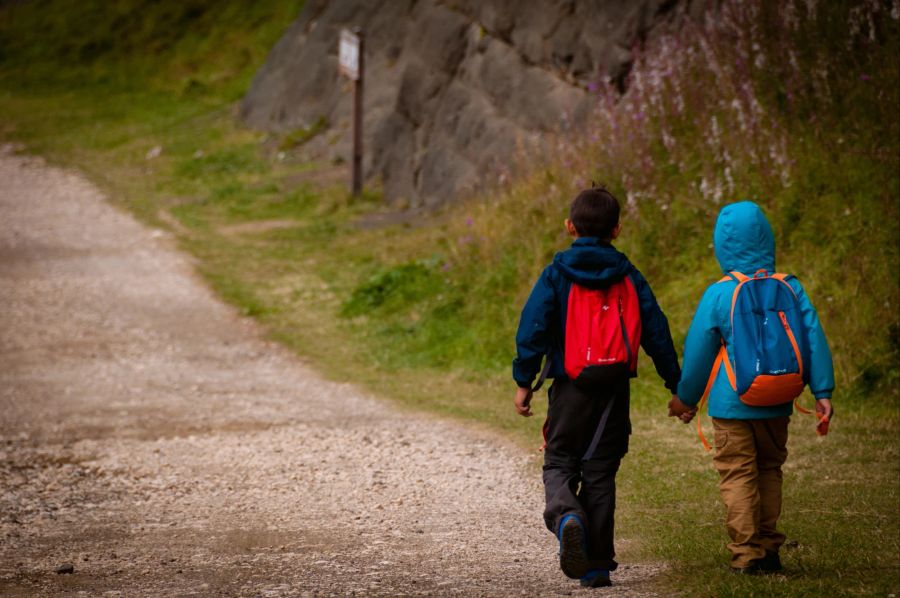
pixel 744 242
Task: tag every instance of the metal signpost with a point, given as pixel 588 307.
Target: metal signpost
pixel 351 61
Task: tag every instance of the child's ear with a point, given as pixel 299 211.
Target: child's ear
pixel 570 228
pixel 616 231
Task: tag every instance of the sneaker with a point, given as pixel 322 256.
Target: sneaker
pixel 596 578
pixel 572 547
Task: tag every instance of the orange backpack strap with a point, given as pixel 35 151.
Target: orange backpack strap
pixel 741 279
pixel 802 410
pixel 783 278
pixel 721 358
pixel 729 372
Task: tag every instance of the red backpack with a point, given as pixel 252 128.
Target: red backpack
pixel 603 331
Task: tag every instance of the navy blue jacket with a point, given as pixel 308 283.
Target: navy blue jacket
pixel 592 264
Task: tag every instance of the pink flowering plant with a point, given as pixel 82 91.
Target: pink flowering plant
pixel 791 104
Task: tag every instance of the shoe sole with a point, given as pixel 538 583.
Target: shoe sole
pixel 572 555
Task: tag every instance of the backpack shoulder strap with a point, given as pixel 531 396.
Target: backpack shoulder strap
pixel 543 377
pixel 741 279
pixel 600 428
pixel 785 278
pixel 721 361
pixel 734 276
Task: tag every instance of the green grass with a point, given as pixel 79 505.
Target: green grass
pixel 425 313
pixel 840 510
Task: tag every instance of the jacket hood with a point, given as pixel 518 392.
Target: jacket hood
pixel 743 239
pixel 592 263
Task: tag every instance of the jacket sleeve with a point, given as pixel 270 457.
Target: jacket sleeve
pixel 533 335
pixel 656 338
pixel 820 367
pixel 701 347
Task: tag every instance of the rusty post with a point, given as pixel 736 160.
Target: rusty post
pixel 358 117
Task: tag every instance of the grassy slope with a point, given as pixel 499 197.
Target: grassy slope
pixel 425 314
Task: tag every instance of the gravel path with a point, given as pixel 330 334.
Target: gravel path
pixel 153 440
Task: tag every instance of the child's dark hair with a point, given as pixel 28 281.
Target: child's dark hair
pixel 595 213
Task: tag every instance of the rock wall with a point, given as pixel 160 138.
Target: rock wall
pixel 455 91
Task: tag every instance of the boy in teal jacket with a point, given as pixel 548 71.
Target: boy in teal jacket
pixel 750 441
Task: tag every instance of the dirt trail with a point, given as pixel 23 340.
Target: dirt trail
pixel 151 438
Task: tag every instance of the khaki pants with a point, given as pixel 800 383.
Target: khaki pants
pixel 749 456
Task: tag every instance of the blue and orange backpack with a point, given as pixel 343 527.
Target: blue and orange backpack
pixel 768 345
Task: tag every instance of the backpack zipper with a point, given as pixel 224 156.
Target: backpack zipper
pixel 624 332
pixel 790 335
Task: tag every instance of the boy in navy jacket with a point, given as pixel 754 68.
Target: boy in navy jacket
pixel 586 431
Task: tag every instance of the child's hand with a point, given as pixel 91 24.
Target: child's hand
pixel 680 410
pixel 523 402
pixel 824 411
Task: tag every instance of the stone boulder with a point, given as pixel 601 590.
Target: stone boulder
pixel 456 92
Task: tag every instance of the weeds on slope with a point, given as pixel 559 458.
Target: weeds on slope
pixel 790 104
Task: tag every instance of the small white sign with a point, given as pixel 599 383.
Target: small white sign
pixel 348 55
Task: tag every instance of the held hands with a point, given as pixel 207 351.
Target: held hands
pixel 523 402
pixel 824 411
pixel 676 407
pixel 680 410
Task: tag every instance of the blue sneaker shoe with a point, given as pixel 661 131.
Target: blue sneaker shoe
pixel 596 578
pixel 573 558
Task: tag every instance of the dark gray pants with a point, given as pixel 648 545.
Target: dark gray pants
pixel 580 484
